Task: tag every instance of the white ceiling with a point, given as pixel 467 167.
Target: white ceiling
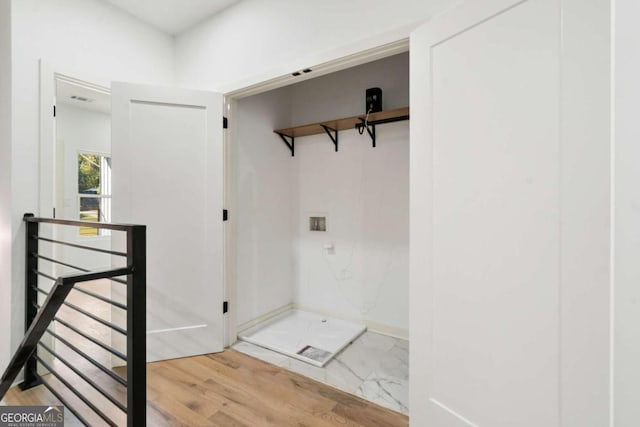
pixel 79 96
pixel 172 16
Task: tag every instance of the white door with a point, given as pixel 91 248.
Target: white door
pixel 509 215
pixel 167 162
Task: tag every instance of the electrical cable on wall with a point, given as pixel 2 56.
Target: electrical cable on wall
pixel 373 104
pixel 344 274
pixel 366 122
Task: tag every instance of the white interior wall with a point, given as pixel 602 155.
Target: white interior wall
pixel 5 182
pixel 84 35
pixel 80 130
pixel 364 194
pixel 256 40
pixel 363 191
pixel 626 213
pixel 263 212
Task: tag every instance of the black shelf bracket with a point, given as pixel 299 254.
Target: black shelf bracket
pixel 370 126
pixel 371 130
pixel 291 145
pixel 334 137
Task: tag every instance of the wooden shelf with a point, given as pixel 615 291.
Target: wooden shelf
pixel 341 124
pixel 331 127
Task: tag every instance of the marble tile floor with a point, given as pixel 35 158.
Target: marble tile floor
pixel 374 367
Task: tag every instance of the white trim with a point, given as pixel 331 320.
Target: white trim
pixel 182 328
pixel 230 319
pixel 270 315
pixel 452 412
pixel 321 69
pixel 612 216
pixel 376 327
pixel 47 198
pixel 49 74
pixel 81 83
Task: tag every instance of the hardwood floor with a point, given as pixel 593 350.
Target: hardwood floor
pixel 228 389
pixel 232 389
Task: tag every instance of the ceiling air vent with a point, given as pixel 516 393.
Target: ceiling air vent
pixel 81 98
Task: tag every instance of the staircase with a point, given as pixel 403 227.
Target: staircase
pixel 84 345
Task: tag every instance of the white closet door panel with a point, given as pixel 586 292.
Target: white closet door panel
pixel 495 171
pixel 167 174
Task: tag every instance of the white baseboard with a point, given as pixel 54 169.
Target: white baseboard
pixel 264 317
pixel 378 328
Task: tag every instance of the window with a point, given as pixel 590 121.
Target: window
pixel 94 191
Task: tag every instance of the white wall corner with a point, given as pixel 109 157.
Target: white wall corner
pixel 5 182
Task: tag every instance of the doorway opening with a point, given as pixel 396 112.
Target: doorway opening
pixel 321 229
pixel 83 192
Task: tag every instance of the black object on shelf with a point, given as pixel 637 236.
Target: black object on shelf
pixel 373 101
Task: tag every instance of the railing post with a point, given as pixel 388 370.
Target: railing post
pixel 137 327
pixel 31 378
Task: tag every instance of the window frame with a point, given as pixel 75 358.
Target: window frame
pixel 105 187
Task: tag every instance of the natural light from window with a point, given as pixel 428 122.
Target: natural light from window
pixel 94 191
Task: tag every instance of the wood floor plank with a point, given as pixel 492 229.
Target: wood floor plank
pixel 247 409
pixel 273 410
pixel 369 416
pixel 182 390
pixel 250 380
pixel 180 414
pixel 155 417
pixel 225 420
pixel 281 388
pixel 294 387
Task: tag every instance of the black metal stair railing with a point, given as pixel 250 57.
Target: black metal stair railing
pixel 39 318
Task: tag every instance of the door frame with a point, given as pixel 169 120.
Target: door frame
pixel 49 195
pixel 371 50
pixel 49 73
